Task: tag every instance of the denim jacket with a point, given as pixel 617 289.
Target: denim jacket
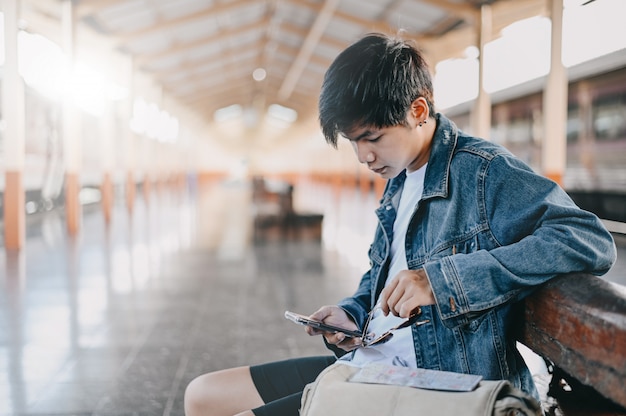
pixel 487 231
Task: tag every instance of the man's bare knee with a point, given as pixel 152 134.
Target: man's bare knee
pixel 198 396
pixel 222 393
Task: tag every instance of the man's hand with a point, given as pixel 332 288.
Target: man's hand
pixel 334 315
pixel 407 291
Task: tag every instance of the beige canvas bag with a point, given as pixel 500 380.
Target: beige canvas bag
pixel 332 394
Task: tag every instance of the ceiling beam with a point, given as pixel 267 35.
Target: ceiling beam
pixel 463 9
pixel 182 20
pixel 235 67
pixel 193 74
pixel 505 13
pixel 222 98
pixel 230 74
pixel 224 89
pixel 86 8
pixel 311 41
pixel 266 55
pixel 220 89
pixel 369 25
pixel 142 60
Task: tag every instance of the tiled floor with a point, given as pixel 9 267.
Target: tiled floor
pixel 119 320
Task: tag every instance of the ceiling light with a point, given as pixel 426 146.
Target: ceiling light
pixel 284 114
pixel 228 113
pixel 259 74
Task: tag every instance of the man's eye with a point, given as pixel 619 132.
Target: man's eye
pixel 375 139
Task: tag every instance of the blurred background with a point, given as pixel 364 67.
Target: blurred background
pixel 178 88
pixel 167 192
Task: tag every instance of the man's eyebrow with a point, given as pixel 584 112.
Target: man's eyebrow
pixel 363 135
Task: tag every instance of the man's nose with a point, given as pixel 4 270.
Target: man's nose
pixel 364 154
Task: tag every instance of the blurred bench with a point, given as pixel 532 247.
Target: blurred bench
pixel 275 218
pixel 577 322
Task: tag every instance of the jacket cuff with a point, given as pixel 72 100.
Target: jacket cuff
pixel 452 304
pixel 350 308
pixel 354 311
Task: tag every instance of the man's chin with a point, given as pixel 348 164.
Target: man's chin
pixel 387 173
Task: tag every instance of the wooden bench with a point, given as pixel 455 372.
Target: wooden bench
pixel 275 218
pixel 577 322
pixel 288 227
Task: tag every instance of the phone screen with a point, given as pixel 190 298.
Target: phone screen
pixel 304 320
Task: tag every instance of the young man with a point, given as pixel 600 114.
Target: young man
pixel 465 231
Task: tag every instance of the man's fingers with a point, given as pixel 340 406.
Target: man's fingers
pixel 386 303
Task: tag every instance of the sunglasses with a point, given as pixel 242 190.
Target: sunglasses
pixel 370 339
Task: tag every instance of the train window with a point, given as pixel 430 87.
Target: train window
pixel 609 117
pixel 574 124
pixel 520 130
pixel 498 133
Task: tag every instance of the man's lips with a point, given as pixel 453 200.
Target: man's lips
pixel 378 170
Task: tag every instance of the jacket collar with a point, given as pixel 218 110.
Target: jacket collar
pixel 438 169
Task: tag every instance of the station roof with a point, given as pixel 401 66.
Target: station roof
pixel 203 53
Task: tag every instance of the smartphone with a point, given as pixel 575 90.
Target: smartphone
pixel 304 320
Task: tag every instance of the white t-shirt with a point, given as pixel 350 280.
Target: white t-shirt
pixel 399 350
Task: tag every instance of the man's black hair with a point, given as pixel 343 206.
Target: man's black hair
pixel 373 83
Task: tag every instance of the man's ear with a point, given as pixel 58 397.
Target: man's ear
pixel 419 109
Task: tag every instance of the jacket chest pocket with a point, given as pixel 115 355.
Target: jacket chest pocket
pixel 467 245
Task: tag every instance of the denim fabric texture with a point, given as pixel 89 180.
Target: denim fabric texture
pixel 488 231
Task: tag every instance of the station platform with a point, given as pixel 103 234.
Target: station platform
pixel 119 319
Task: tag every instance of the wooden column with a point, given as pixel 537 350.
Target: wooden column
pixel 107 148
pixel 13 115
pixel 481 111
pixel 71 117
pixel 130 146
pixel 130 190
pixel 148 169
pixel 587 136
pixel 553 157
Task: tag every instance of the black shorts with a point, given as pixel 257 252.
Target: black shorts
pixel 280 383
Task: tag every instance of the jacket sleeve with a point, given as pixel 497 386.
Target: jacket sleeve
pixel 540 233
pixel 359 304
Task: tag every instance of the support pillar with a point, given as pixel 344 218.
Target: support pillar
pixel 554 149
pixel 150 164
pixel 130 190
pixel 13 117
pixel 107 146
pixel 481 111
pixel 587 137
pixel 130 146
pixel 72 152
